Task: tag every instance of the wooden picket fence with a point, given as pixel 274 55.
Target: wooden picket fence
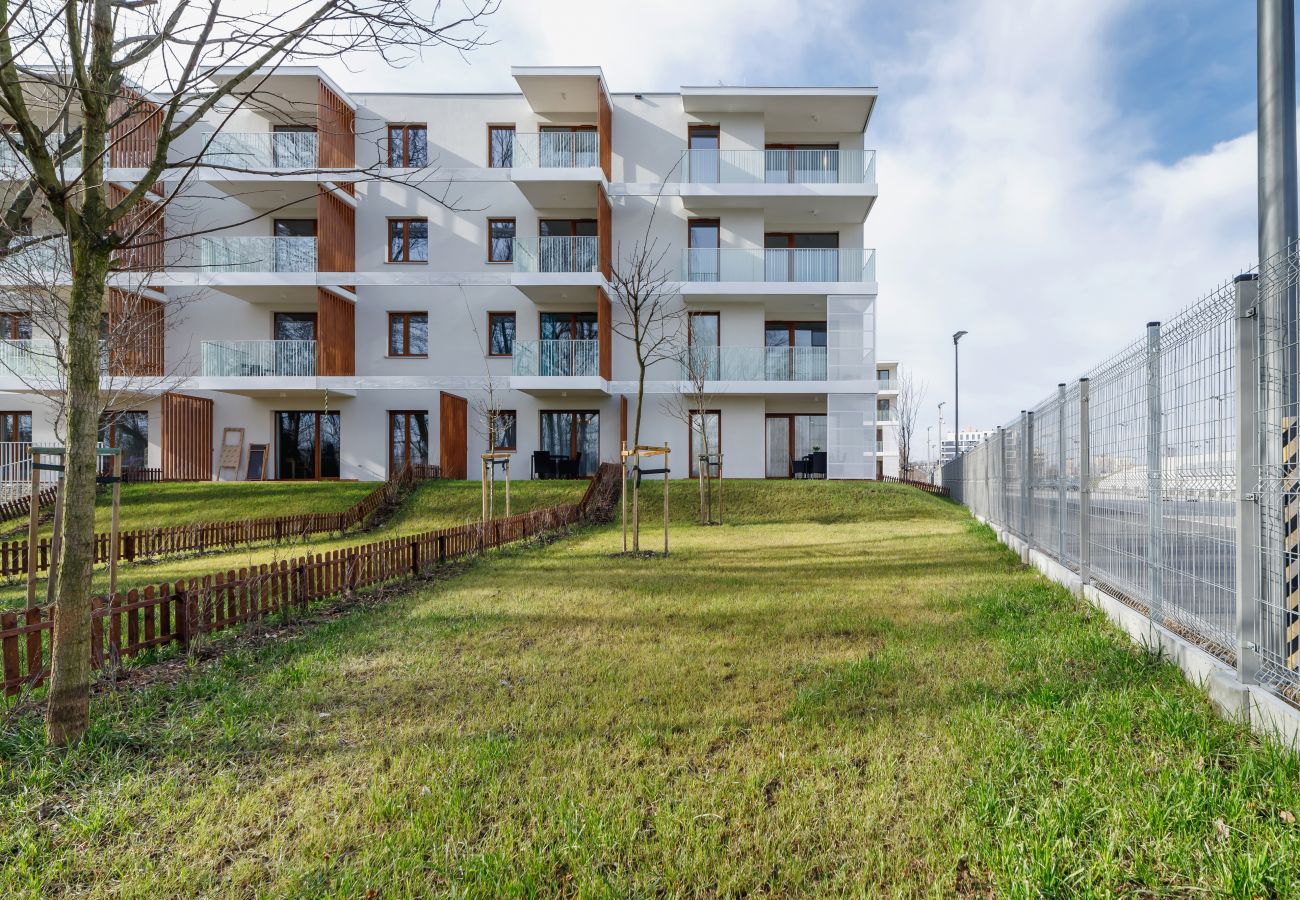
pixel 196 538
pixel 126 624
pixel 22 507
pixel 937 490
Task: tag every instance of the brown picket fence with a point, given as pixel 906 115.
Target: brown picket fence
pixel 13 509
pixel 936 489
pixel 201 536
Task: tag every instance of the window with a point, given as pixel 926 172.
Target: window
pixel 291 326
pixel 408 146
pixel 702 143
pixel 128 431
pixel 573 436
pixel 703 338
pixel 501 146
pixel 408 334
pixel 503 429
pixel 882 374
pixel 703 238
pixel 501 334
pixel 15 326
pixel 408 439
pixel 308 444
pixel 705 436
pixel 15 427
pixel 501 240
pixel 408 240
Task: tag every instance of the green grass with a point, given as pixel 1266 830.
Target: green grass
pixel 432 505
pixel 847 689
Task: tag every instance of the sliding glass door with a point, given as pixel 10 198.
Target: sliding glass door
pixel 573 435
pixel 308 445
pixel 792 437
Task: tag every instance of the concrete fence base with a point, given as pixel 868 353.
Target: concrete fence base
pixel 1261 709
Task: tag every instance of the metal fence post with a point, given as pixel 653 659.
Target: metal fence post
pixel 1060 471
pixel 1027 485
pixel 1085 486
pixel 1246 373
pixel 1155 437
pixel 1003 515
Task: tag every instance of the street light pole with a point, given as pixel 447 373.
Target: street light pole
pixel 956 396
pixel 941 402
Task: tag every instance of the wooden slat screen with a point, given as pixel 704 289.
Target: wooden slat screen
pixel 133 141
pixel 605 132
pixel 604 232
pixel 142 227
pixel 336 233
pixel 336 328
pixel 453 447
pixel 335 130
pixel 604 333
pixel 186 437
pixel 136 327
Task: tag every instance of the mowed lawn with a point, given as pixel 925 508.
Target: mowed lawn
pixel 432 505
pixel 847 689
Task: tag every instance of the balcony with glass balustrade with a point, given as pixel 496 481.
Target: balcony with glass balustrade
pixel 793 185
pixel 786 271
pixel 553 366
pixel 565 268
pixel 557 169
pixel 258 359
pixel 773 367
pixel 272 151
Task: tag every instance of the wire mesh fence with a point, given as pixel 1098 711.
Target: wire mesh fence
pixel 1169 476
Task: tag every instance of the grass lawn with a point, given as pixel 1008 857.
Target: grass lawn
pixel 433 505
pixel 850 688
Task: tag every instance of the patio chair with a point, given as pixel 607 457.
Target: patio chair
pixel 801 467
pixel 817 464
pixel 543 464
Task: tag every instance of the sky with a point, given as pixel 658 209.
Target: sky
pixel 1053 174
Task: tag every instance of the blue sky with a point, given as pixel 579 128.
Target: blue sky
pixel 1053 173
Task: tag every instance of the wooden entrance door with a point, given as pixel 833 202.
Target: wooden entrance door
pixel 453 439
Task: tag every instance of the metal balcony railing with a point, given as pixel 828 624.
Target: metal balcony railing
pixel 263 150
pixel 45 263
pixel 258 254
pixel 30 358
pixel 756 363
pixel 556 254
pixel 258 359
pixel 557 358
pixel 556 150
pixel 779 167
pixel 886 415
pixel 779 266
pixel 888 384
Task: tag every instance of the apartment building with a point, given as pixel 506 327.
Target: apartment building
pixel 373 273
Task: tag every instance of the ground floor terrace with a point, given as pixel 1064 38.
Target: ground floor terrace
pixel 370 434
pixel 846 688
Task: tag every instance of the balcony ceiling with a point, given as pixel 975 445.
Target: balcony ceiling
pixel 790 204
pixel 294 89
pixel 559 188
pixel 789 109
pixel 560 89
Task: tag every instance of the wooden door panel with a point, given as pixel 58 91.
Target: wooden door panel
pixel 453 438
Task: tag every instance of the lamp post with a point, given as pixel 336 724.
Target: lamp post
pixel 941 402
pixel 956 396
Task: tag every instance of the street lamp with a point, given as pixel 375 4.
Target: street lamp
pixel 956 397
pixel 941 402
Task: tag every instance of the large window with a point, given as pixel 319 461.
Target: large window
pixel 801 164
pixel 501 334
pixel 706 436
pixel 796 351
pixel 15 326
pixel 569 326
pixel 703 338
pixel 504 431
pixel 573 435
pixel 801 256
pixel 567 245
pixel 128 431
pixel 294 326
pixel 792 438
pixel 408 240
pixel 702 142
pixel 501 146
pixel 308 444
pixel 501 240
pixel 568 145
pixel 15 427
pixel 408 334
pixel 703 237
pixel 408 439
pixel 408 146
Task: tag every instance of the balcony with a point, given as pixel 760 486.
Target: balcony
pixel 258 359
pixel 556 150
pixel 30 358
pixel 43 264
pixel 767 364
pixel 885 415
pixel 793 186
pixel 732 270
pixel 223 255
pixel 557 169
pixel 275 151
pixel 563 366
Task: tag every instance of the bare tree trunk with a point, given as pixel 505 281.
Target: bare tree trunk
pixel 68 712
pixel 636 442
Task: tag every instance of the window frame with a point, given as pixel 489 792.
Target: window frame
pixel 693 464
pixel 500 127
pixel 406 128
pixel 15 426
pixel 492 220
pixel 9 321
pixel 406 222
pixel 405 316
pixel 493 314
pixel 409 414
pixel 513 432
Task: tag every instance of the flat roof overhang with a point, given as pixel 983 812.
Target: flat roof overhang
pixel 560 385
pixel 789 109
pixel 759 290
pixel 561 89
pixel 795 204
pixel 295 84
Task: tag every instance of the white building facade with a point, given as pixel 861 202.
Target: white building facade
pixel 375 272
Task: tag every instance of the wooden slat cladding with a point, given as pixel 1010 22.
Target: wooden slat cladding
pixel 143 229
pixel 604 232
pixel 605 132
pixel 137 329
pixel 336 329
pixel 336 233
pixel 186 437
pixel 335 130
pixel 453 446
pixel 133 140
pixel 604 333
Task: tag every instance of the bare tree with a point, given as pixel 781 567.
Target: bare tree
pixel 911 394
pixel 95 84
pixel 691 406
